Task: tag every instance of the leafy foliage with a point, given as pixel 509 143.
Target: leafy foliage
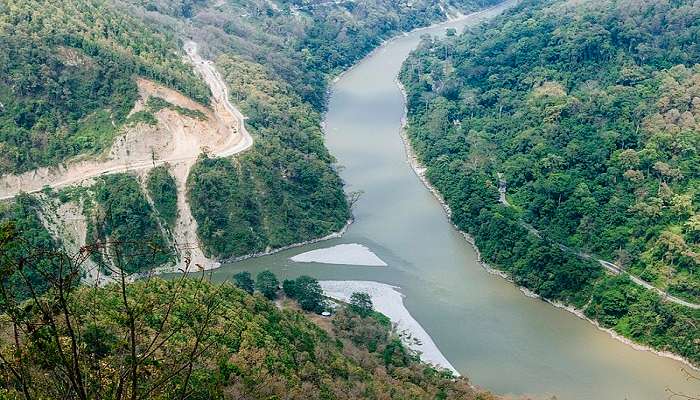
pixel 361 303
pixel 266 283
pixel 244 281
pixel 644 317
pixel 306 291
pixel 122 215
pixel 209 341
pixel 21 230
pixel 162 189
pixel 586 112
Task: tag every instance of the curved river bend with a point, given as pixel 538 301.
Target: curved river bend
pixel 491 332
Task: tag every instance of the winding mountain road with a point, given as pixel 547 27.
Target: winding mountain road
pixel 219 91
pixel 238 140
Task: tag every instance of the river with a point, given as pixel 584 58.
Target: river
pixel 489 330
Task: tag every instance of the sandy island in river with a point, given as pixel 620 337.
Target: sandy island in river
pixel 388 301
pixel 346 254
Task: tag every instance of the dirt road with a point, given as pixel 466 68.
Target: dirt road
pixel 176 140
pixel 227 136
pixel 219 90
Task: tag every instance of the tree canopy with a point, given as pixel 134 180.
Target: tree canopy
pixel 267 284
pixel 244 281
pixel 585 113
pixel 307 292
pixel 361 303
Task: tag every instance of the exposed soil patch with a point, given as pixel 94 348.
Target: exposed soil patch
pixel 175 139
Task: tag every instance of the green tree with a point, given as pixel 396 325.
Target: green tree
pixel 308 293
pixel 266 282
pixel 361 303
pixel 244 281
pixel 289 286
pixel 395 354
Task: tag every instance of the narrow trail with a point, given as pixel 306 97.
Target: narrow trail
pixel 613 268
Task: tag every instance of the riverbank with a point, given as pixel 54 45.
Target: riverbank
pixel 420 170
pixel 333 235
pixel 389 301
pixel 458 16
pixel 214 266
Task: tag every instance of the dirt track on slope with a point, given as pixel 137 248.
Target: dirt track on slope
pixel 176 140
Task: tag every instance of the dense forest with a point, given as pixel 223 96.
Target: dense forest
pixel 162 190
pixel 119 213
pixel 22 222
pixel 585 113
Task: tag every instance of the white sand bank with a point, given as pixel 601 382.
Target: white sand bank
pixel 388 301
pixel 348 254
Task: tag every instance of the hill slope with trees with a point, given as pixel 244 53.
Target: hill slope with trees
pixel 67 77
pixel 189 338
pixel 277 59
pixel 586 113
pixel 69 83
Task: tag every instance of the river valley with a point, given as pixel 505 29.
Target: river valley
pixel 487 328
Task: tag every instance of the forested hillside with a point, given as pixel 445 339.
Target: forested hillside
pixel 299 42
pixel 24 218
pixel 586 113
pixel 118 212
pixel 284 189
pixel 69 82
pixel 189 338
pixel 67 77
